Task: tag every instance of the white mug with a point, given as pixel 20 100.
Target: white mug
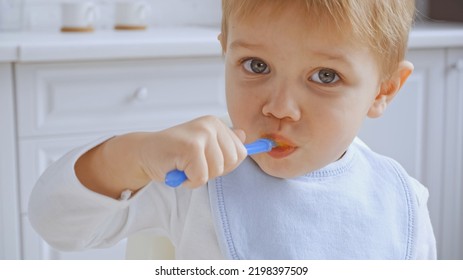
pixel 132 15
pixel 11 15
pixel 78 16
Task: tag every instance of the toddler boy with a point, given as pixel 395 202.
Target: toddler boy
pixel 304 74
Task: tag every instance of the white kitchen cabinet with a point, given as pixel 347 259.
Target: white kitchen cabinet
pixel 452 183
pixel 82 97
pixel 9 215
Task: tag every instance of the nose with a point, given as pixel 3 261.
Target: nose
pixel 283 104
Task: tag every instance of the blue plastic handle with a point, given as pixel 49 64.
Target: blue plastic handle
pixel 175 178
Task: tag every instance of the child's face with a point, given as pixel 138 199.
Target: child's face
pixel 299 82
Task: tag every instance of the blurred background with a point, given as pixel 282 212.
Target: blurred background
pixel 46 14
pixel 59 90
pixel 42 15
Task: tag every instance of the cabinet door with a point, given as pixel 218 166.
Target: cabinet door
pixel 9 215
pixel 452 187
pixel 35 155
pixel 412 128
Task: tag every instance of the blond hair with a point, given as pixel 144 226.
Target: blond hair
pixel 382 24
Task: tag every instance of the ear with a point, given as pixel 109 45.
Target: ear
pixel 390 88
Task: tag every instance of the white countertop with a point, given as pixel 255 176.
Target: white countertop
pixel 108 44
pixel 164 42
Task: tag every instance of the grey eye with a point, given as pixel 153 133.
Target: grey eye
pixel 256 66
pixel 325 76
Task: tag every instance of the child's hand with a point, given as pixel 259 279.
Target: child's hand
pixel 203 148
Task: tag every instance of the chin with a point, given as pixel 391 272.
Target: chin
pixel 280 168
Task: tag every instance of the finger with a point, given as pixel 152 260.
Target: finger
pixel 227 142
pixel 239 144
pixel 214 158
pixel 233 149
pixel 196 171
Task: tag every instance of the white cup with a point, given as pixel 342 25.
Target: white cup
pixel 11 15
pixel 132 15
pixel 78 16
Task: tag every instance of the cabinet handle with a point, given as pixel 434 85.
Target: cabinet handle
pixel 141 94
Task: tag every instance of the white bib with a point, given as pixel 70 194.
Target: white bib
pixel 359 207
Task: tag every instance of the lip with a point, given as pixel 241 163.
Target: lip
pixel 284 146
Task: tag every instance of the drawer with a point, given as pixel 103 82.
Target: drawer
pixel 63 98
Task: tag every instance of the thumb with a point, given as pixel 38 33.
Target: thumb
pixel 240 133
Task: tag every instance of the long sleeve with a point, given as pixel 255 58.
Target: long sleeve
pixel 71 217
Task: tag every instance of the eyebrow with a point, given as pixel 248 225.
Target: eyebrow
pixel 330 55
pixel 242 44
pixel 320 53
pixel 333 55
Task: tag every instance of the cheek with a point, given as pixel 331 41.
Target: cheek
pixel 243 101
pixel 232 95
pixel 241 109
pixel 237 102
pixel 338 118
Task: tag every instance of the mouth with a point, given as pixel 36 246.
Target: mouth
pixel 284 147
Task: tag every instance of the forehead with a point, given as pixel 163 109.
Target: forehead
pixel 291 24
pixel 311 12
